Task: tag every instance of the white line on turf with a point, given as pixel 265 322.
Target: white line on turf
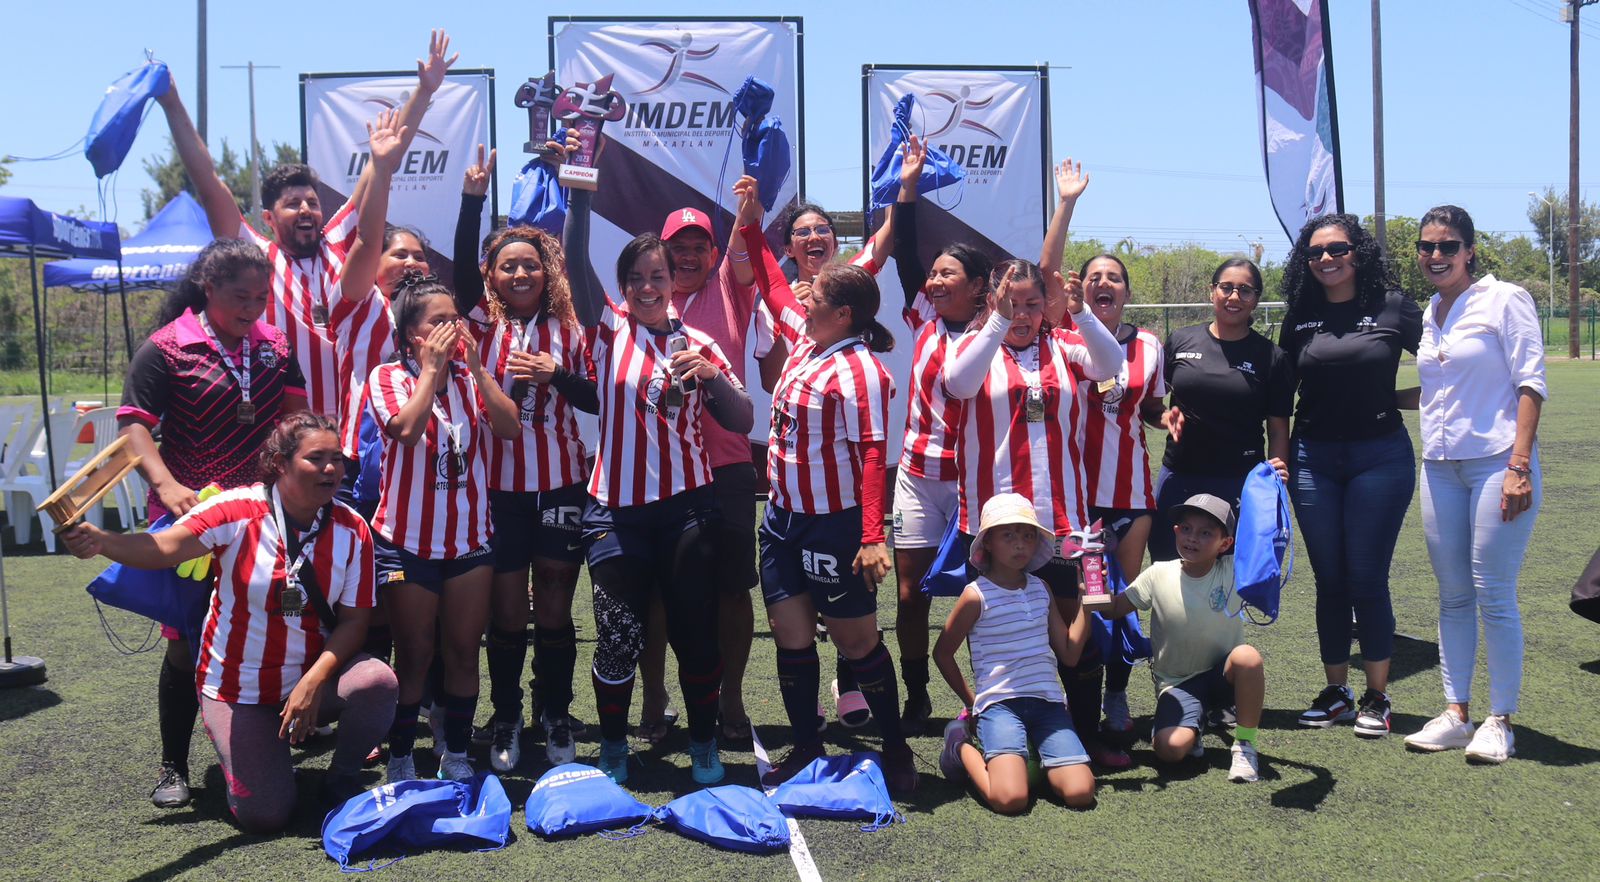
pixel 799 852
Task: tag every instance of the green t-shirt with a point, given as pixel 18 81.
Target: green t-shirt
pixel 1191 628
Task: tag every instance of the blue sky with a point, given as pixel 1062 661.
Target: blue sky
pixel 1155 98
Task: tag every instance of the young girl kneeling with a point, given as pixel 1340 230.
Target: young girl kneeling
pixel 1012 628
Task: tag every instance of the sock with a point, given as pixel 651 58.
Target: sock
pixel 380 643
pixel 845 674
pixel 1244 733
pixel 555 654
pixel 507 652
pixel 1117 672
pixel 914 671
pixel 875 674
pixel 702 688
pixel 177 704
pixel 403 731
pixel 458 712
pixel 798 678
pixel 1082 685
pixel 611 702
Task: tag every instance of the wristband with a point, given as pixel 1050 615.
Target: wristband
pixel 1521 470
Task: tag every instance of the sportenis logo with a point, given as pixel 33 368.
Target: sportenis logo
pixel 679 121
pixel 420 166
pixel 951 117
pixel 819 566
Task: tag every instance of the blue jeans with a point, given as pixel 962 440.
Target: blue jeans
pixel 1350 499
pixel 1009 726
pixel 1477 557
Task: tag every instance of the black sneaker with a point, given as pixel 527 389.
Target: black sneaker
pixel 899 768
pixel 918 710
pixel 337 789
pixel 1372 720
pixel 800 756
pixel 1334 704
pixel 172 788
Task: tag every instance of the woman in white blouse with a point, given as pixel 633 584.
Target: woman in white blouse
pixel 1481 362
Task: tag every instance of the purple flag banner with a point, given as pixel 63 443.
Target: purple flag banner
pixel 1299 122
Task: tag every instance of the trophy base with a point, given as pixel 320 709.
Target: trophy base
pixel 541 149
pixel 1098 602
pixel 579 177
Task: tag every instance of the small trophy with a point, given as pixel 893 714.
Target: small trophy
pixel 1096 593
pixel 539 97
pixel 99 476
pixel 587 107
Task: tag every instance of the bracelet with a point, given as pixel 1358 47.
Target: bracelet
pixel 1520 470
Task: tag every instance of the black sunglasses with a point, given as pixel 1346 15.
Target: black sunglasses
pixel 1449 247
pixel 1332 249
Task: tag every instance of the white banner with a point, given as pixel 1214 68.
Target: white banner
pixel 426 193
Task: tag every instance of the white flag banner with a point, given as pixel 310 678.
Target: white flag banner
pixel 426 192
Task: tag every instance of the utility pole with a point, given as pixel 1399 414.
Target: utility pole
pixel 1570 14
pixel 1379 220
pixel 255 145
pixel 200 72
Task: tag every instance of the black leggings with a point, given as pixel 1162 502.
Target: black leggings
pixel 680 570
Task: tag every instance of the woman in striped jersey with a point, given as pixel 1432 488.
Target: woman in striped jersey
pixel 651 509
pixel 520 316
pixel 822 542
pixel 281 646
pixel 1022 427
pixel 433 546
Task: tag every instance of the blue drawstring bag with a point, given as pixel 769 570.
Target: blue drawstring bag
pixel 161 595
pixel 843 787
pixel 1263 547
pixel 413 816
pixel 949 573
pixel 537 199
pixel 116 121
pixel 763 143
pixel 1122 637
pixel 730 816
pixel 938 170
pixel 574 798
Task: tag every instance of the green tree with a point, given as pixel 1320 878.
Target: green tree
pixel 5 173
pixel 170 178
pixel 1539 214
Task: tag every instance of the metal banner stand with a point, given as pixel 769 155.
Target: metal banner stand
pixel 22 670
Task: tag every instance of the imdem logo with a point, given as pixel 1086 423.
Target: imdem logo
pixel 420 165
pixel 681 123
pixel 951 116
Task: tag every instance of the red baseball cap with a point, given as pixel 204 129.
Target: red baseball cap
pixel 683 218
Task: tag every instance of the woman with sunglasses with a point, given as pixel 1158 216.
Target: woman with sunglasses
pixel 1481 362
pixel 1353 469
pixel 1225 380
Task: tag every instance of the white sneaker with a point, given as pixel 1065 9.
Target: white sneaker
pixel 559 748
pixel 1246 764
pixel 436 725
pixel 955 735
pixel 1493 742
pixel 505 748
pixel 401 768
pixel 455 767
pixel 1444 732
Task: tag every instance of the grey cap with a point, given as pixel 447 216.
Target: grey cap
pixel 1206 504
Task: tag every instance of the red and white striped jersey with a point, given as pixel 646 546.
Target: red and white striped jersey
pixel 649 448
pixel 765 326
pixel 549 453
pixel 251 650
pixel 305 290
pixel 824 400
pixel 434 500
pixel 363 339
pixel 1000 450
pixel 1116 459
pixel 929 448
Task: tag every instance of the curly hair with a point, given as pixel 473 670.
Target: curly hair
pixel 285 439
pixel 222 261
pixel 556 299
pixel 1301 290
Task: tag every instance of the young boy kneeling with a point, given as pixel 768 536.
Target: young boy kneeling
pixel 1015 635
pixel 1201 663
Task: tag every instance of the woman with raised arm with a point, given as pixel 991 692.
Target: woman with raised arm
pixel 648 519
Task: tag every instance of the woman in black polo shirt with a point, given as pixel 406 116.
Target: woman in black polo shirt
pixel 1354 468
pixel 1225 380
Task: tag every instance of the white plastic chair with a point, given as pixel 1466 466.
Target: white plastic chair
pixel 102 421
pixel 23 430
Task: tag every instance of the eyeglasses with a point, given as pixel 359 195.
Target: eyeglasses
pixel 1332 249
pixel 1245 292
pixel 807 232
pixel 1449 247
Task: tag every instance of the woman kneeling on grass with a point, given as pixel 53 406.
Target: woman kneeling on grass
pixel 280 651
pixel 1012 627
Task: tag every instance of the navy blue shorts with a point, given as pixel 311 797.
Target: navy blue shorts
pixel 395 564
pixel 544 525
pixel 648 531
pixel 1187 703
pixel 1118 520
pixel 813 554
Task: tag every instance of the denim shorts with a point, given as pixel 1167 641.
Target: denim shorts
pixel 1010 726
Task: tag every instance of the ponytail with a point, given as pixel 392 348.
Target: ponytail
pixel 852 286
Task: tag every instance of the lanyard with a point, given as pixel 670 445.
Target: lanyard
pixel 242 375
pixel 522 334
pixel 292 568
pixel 452 430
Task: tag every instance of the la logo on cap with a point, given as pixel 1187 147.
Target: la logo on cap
pixel 688 216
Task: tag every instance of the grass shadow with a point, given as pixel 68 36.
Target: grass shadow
pixel 16 704
pixel 1548 751
pixel 1306 796
pixel 1592 667
pixel 1411 656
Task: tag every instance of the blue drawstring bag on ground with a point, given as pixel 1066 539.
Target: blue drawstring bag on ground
pixel 161 595
pixel 841 787
pixel 116 121
pixel 1263 547
pixel 414 816
pixel 574 798
pixel 764 146
pixel 730 816
pixel 537 199
pixel 947 576
pixel 938 170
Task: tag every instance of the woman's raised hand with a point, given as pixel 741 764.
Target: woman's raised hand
pixel 476 182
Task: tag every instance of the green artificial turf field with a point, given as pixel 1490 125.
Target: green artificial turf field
pixel 78 756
